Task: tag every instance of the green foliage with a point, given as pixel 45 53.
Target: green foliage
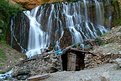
pixel 99 41
pixel 6 11
pixel 117 22
pixel 116 13
pixel 114 1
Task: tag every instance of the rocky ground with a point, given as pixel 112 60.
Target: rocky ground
pixel 109 71
pixel 40 64
pixel 105 63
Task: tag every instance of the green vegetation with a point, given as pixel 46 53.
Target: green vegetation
pixel 117 22
pixel 2 57
pixel 6 11
pixel 116 13
pixel 99 41
pixel 8 57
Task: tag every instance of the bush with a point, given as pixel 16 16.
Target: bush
pixel 116 13
pixel 6 11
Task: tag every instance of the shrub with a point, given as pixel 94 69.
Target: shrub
pixel 6 11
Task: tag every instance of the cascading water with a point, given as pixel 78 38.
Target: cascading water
pixel 100 17
pixel 47 24
pixel 87 22
pixel 38 39
pixel 76 36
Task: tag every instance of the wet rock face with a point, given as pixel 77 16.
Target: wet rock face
pixel 29 4
pixel 18 32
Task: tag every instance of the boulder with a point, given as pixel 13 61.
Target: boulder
pixel 118 62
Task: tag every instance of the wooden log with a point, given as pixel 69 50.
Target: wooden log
pixel 39 77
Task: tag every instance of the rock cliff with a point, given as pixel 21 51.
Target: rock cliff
pixel 29 4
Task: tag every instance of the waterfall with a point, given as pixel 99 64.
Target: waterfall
pixel 47 24
pixel 87 22
pixel 100 17
pixel 76 36
pixel 38 39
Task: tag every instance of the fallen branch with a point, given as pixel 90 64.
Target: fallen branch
pixel 39 77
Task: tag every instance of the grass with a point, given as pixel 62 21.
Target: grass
pixel 8 57
pixel 2 56
pixel 3 59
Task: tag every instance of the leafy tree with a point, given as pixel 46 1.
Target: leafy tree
pixel 6 11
